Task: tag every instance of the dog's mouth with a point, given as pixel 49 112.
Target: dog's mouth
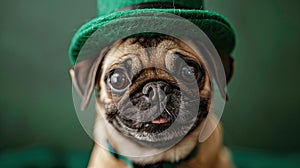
pixel 153 126
pixel 162 132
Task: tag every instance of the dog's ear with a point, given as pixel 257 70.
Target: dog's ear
pixel 228 64
pixel 83 76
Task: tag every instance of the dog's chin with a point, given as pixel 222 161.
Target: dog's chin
pixel 159 133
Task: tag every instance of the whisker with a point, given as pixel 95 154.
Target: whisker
pixel 189 101
pixel 170 113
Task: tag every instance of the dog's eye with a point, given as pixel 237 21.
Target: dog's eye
pixel 190 72
pixel 118 81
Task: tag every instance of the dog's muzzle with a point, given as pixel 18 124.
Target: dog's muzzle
pixel 156 107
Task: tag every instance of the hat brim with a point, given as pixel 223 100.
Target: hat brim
pixel 214 25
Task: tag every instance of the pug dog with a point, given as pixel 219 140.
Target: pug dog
pixel 144 86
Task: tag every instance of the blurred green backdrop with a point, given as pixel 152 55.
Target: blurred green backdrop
pixel 36 106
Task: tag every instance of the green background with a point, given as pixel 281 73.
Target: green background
pixel 36 108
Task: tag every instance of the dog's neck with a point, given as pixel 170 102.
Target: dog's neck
pixel 164 164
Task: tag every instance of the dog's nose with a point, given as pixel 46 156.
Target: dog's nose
pixel 155 90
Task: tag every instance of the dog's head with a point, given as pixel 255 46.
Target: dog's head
pixel 154 90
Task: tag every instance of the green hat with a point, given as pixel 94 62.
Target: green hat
pixel 110 12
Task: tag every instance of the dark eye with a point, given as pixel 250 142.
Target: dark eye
pixel 190 72
pixel 118 81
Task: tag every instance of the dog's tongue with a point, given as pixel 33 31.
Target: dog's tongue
pixel 160 121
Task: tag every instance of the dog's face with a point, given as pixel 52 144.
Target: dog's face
pixel 154 90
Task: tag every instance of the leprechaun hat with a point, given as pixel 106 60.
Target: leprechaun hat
pixel 130 12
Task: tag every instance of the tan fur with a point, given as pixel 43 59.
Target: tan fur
pixel 212 154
